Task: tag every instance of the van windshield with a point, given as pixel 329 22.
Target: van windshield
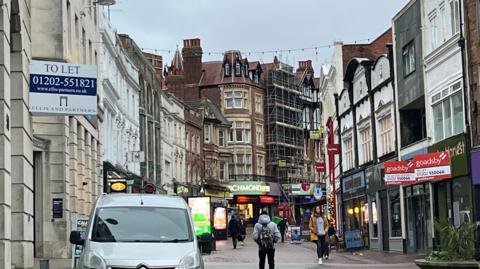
pixel 141 224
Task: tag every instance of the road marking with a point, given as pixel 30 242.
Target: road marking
pixel 308 265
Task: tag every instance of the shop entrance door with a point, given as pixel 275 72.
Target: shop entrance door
pixel 419 207
pixel 384 213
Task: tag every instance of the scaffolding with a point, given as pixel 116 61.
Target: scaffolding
pixel 285 132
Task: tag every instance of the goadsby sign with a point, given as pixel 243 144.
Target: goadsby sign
pixel 63 89
pixel 249 188
pixel 432 166
pixel 399 172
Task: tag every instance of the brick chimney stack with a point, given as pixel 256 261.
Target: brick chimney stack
pixel 305 65
pixel 192 60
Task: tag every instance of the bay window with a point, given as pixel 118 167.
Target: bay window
pixel 236 99
pixel 241 132
pixel 447 110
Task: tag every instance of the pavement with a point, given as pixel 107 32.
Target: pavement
pixel 303 256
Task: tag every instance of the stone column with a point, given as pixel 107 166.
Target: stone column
pixel 73 147
pixel 22 146
pixel 88 174
pixel 81 167
pixel 5 144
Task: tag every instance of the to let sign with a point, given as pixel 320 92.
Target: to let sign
pixel 399 172
pixel 432 166
pixel 63 89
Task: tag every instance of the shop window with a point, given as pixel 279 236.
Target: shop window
pixel 395 214
pixel 462 202
pixel 374 215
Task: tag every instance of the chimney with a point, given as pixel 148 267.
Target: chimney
pixel 305 65
pixel 192 60
pixel 157 63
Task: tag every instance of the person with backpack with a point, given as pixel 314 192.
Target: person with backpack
pixel 234 230
pixel 266 234
pixel 318 225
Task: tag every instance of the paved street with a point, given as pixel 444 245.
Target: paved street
pixel 302 256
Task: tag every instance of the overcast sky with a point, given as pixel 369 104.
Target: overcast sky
pixel 254 25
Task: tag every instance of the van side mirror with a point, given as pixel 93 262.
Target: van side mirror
pixel 76 238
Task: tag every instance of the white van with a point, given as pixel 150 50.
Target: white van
pixel 139 232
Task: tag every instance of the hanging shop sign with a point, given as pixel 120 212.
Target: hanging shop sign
pixel 333 149
pixel 315 135
pixel 399 172
pixel 282 163
pixel 317 193
pixel 321 167
pixel 249 187
pixel 456 146
pixel 63 89
pixel 432 166
pixel 149 188
pixel 118 186
pixel 201 214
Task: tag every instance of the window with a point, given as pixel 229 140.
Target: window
pixel 221 138
pixel 259 131
pixel 222 170
pixel 447 109
pixel 168 169
pixel 374 213
pixel 409 64
pixel 207 134
pixel 455 16
pixel 240 164
pixel 248 164
pixel 238 69
pixel 260 165
pixel 236 99
pixel 348 153
pixel 187 140
pixel 395 214
pixel 241 132
pixel 385 125
pixel 434 31
pixel 227 70
pixel 231 170
pixel 258 104
pixel 366 144
pixel 230 135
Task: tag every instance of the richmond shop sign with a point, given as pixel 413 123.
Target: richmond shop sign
pixel 423 167
pixel 249 188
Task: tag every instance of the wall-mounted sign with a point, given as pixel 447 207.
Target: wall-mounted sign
pixel 432 166
pixel 266 200
pixel 201 214
pixel 317 193
pixel 282 163
pixel 321 167
pixel 354 182
pixel 57 208
pixel 135 156
pixel 120 186
pixel 399 172
pixel 149 188
pixel 456 146
pixel 246 199
pixel 302 189
pixel 333 149
pixel 249 187
pixel 315 135
pixel 63 89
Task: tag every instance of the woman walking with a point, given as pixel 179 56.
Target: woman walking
pixel 318 225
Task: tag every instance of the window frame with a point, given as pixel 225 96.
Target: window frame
pixel 439 98
pixel 409 61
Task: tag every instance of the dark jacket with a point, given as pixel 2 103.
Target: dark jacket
pixel 233 227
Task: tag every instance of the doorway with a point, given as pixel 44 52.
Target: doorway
pixel 419 235
pixel 384 213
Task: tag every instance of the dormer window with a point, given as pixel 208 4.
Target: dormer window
pixel 227 70
pixel 238 69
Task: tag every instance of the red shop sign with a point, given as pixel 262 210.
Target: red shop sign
pixel 333 149
pixel 267 200
pixel 432 166
pixel 399 172
pixel 321 167
pixel 246 199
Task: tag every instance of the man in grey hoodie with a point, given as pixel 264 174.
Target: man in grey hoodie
pixel 264 229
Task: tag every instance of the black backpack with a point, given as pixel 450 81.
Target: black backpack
pixel 266 239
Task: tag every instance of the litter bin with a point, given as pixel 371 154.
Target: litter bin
pixel 206 243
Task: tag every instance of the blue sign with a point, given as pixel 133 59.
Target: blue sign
pixel 353 239
pixel 354 182
pixel 318 193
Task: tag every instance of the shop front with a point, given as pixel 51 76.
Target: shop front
pixel 305 197
pixel 475 159
pixel 355 211
pixel 453 196
pixel 384 211
pixel 250 198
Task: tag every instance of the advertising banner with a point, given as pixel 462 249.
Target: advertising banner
pixel 63 89
pixel 432 166
pixel 399 172
pixel 81 225
pixel 302 189
pixel 201 214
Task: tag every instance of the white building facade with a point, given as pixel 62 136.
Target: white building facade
pixel 119 100
pixel 173 141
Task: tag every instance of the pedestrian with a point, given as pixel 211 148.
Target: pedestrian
pixel 318 225
pixel 234 229
pixel 266 234
pixel 243 231
pixel 282 226
pixel 330 233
